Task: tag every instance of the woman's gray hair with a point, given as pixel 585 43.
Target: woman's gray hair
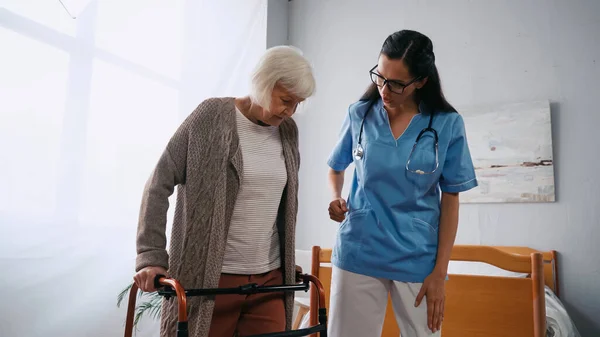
pixel 284 65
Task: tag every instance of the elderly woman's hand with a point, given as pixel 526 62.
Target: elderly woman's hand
pixel 298 273
pixel 144 279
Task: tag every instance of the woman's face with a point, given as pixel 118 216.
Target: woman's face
pixel 401 84
pixel 283 105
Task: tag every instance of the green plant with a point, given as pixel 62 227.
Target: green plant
pixel 148 304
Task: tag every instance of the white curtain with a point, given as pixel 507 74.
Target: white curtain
pixel 86 107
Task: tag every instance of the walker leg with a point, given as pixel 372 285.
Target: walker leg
pixel 182 329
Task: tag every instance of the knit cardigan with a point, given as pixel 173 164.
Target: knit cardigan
pixel 203 160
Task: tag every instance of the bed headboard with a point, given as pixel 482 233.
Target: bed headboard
pixel 461 264
pixel 478 305
pixel 549 260
pixel 494 306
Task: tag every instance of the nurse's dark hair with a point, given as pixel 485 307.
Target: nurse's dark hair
pixel 416 50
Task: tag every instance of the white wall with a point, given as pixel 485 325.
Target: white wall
pixel 488 52
pixel 86 108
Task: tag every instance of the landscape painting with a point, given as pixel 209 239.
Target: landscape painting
pixel 511 147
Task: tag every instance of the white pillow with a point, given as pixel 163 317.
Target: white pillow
pixel 480 268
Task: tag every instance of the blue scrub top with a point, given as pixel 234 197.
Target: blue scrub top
pixel 391 228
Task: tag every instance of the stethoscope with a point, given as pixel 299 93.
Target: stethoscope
pixel 359 151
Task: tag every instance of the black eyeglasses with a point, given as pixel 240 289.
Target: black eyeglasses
pixel 393 85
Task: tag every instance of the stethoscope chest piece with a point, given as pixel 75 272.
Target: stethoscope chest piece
pixel 358 152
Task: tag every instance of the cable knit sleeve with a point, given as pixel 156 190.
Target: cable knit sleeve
pixel 169 172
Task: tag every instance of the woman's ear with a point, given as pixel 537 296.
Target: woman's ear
pixel 421 83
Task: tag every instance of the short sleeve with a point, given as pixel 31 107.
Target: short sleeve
pixel 458 174
pixel 341 155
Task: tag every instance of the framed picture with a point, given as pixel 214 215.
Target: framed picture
pixel 511 147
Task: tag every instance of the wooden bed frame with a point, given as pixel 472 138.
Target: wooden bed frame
pixel 477 306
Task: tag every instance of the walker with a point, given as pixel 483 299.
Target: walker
pixel 169 287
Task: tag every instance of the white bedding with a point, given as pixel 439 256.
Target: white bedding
pixel 558 321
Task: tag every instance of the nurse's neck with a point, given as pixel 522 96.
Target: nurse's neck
pixel 407 109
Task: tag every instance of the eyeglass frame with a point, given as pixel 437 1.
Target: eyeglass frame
pixel 358 152
pixel 386 81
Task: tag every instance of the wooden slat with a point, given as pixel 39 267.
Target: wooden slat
pixel 539 296
pixel 390 326
pixel 491 255
pixel 550 263
pixel 325 255
pixel 314 305
pixel 554 273
pixel 483 306
pixel 325 278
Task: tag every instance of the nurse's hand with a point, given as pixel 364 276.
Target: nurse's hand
pixel 433 289
pixel 337 209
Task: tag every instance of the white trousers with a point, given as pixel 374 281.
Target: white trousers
pixel 357 306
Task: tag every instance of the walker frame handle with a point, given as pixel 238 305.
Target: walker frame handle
pixel 168 287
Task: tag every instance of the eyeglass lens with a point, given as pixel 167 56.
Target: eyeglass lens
pixel 393 86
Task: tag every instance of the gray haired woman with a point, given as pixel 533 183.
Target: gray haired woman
pixel 235 163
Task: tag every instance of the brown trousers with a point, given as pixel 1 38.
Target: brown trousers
pixel 244 315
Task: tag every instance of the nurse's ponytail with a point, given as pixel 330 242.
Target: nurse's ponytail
pixel 432 95
pixel 416 50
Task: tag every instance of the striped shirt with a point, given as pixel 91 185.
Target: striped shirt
pixel 253 239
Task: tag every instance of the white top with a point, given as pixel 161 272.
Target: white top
pixel 253 239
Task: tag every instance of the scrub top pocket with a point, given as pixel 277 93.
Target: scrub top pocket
pixel 423 156
pixel 421 182
pixel 423 159
pixel 350 233
pixel 422 235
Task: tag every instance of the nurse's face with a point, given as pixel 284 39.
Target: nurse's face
pixel 401 84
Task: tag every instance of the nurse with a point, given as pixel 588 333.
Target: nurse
pixel 411 158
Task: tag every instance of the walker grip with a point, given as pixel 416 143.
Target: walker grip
pixel 157 284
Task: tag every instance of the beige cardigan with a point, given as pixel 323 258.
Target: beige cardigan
pixel 203 159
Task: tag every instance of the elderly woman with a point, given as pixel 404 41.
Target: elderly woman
pixel 235 162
